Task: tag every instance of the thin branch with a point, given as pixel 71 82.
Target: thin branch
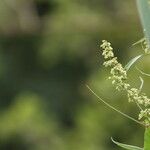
pixel 142 72
pixel 113 108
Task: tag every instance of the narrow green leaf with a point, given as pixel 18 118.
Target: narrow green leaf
pixel 139 42
pixel 127 147
pixel 144 11
pixel 132 61
pixel 147 139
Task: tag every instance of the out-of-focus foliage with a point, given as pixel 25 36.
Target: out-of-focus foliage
pixel 49 50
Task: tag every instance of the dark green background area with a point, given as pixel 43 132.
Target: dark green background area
pixel 49 51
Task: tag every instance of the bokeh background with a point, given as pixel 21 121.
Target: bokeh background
pixel 49 51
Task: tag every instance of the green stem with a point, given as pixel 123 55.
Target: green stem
pixel 147 139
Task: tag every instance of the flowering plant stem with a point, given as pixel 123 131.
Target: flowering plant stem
pixel 119 76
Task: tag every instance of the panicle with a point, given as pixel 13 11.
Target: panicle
pixel 119 80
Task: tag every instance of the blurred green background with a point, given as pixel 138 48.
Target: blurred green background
pixel 49 51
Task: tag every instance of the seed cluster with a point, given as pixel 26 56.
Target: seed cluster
pixel 119 80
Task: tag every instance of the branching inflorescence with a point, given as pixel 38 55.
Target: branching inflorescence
pixel 119 80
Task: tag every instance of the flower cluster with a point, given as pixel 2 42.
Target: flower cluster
pixel 118 73
pixel 136 96
pixel 108 50
pixel 146 115
pixel 119 79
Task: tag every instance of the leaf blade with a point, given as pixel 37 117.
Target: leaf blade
pixel 127 147
pixel 139 41
pixel 132 61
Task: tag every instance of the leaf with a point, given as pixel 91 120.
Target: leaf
pixel 132 61
pixel 144 11
pixel 127 147
pixel 138 42
pixel 147 139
